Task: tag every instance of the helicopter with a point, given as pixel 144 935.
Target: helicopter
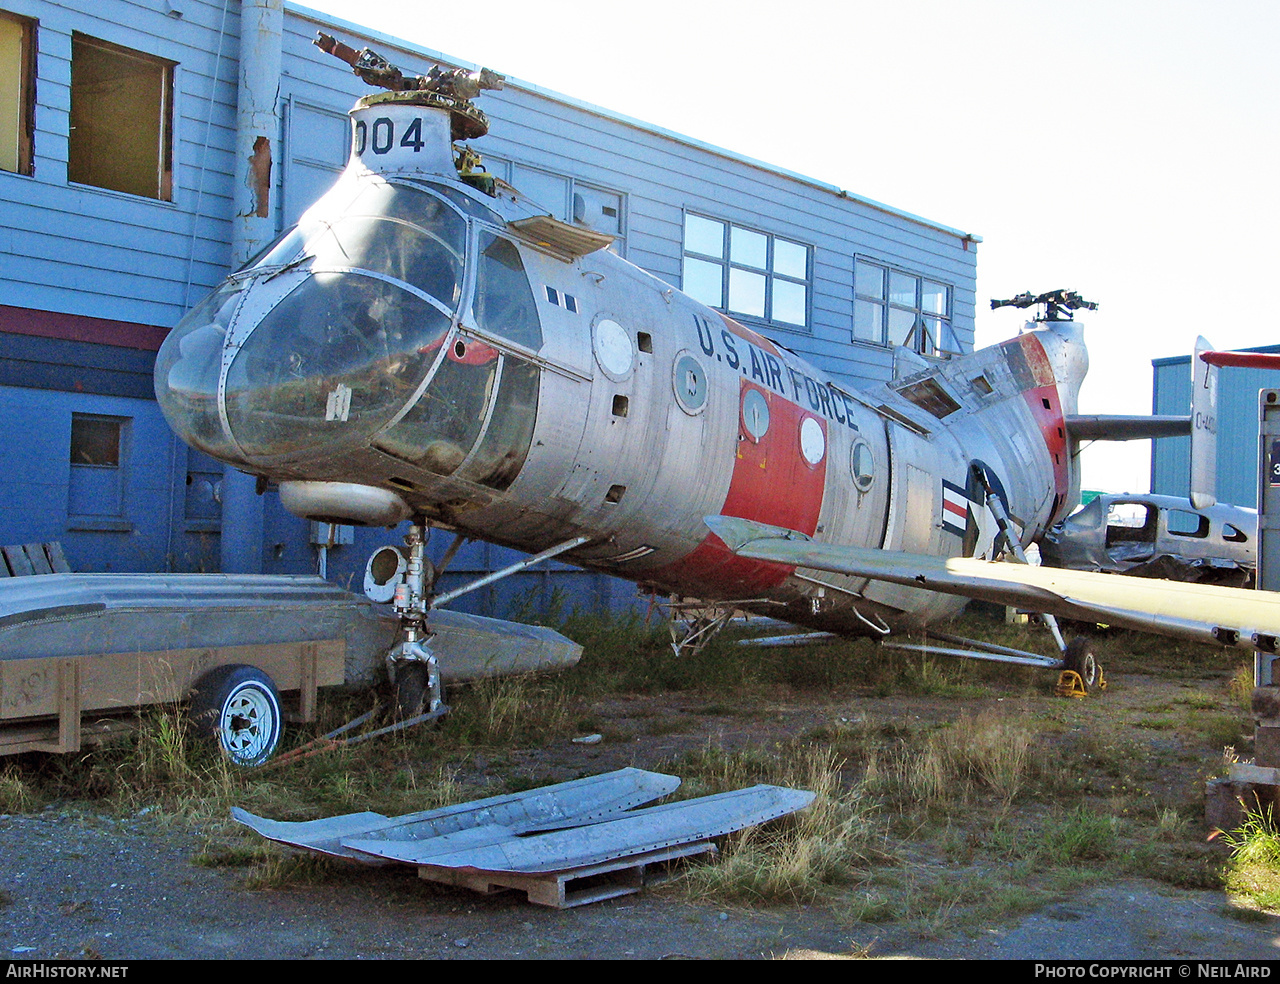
pixel 427 344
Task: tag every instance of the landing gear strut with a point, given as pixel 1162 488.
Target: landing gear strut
pixel 413 666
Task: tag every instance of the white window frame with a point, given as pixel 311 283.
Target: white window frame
pixel 768 272
pixel 874 309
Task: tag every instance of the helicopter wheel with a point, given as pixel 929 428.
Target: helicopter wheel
pixel 1079 658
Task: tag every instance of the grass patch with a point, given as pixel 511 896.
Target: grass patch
pixel 1221 730
pixel 509 710
pixel 222 855
pixel 987 752
pixel 797 858
pixel 1245 915
pixel 1253 873
pixel 1240 689
pixel 16 795
pixel 1079 835
pixel 287 871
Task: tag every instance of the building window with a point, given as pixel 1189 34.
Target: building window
pixel 894 307
pixel 567 199
pixel 203 501
pixel 97 465
pixel 746 272
pixel 121 119
pixel 17 92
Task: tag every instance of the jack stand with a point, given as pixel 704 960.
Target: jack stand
pixel 1251 787
pixel 413 666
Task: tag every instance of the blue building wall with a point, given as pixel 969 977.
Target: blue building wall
pixel 91 280
pixel 1237 428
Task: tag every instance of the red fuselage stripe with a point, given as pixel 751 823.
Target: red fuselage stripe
pixel 771 483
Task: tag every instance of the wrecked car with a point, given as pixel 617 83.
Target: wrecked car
pixel 1157 536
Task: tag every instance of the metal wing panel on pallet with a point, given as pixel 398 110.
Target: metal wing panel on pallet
pixel 565 804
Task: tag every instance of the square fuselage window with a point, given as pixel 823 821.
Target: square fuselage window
pixel 121 119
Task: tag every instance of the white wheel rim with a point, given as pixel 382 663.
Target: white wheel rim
pixel 248 723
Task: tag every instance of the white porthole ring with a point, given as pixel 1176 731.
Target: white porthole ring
pixel 813 443
pixel 613 348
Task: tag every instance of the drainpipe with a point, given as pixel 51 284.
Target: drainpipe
pixel 253 226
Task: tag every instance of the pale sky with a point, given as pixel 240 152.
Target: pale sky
pixel 1126 149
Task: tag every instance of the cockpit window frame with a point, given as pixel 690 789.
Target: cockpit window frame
pixel 467 311
pixel 253 267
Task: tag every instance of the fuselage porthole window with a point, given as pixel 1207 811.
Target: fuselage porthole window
pixel 862 465
pixel 755 413
pixel 689 380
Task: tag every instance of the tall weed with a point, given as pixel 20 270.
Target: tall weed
pixel 796 859
pixel 988 751
pixel 1253 873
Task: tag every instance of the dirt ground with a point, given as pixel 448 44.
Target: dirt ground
pixel 75 883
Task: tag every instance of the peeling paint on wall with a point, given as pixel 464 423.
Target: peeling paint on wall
pixel 260 177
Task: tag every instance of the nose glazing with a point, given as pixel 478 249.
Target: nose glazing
pixel 323 339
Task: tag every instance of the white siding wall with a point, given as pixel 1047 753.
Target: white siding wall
pixel 82 250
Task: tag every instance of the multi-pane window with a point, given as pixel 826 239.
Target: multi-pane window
pixel 746 272
pixel 567 199
pixel 17 92
pixel 121 119
pixel 894 307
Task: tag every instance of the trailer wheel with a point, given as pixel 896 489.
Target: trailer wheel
pixel 239 708
pixel 1079 657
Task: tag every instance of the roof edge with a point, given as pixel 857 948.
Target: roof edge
pixel 327 20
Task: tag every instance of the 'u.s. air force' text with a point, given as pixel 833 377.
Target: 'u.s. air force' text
pixel 767 370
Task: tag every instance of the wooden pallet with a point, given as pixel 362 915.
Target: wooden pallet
pixel 571 886
pixel 26 559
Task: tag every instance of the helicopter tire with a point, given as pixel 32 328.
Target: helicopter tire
pixel 413 689
pixel 1080 658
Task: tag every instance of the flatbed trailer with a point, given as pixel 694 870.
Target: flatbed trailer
pixel 80 654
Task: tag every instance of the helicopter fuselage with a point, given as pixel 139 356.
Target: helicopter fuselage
pixel 417 347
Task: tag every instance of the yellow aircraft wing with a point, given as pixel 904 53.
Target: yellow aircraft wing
pixel 1238 617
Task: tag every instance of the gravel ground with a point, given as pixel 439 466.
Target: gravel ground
pixel 80 886
pixel 76 884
